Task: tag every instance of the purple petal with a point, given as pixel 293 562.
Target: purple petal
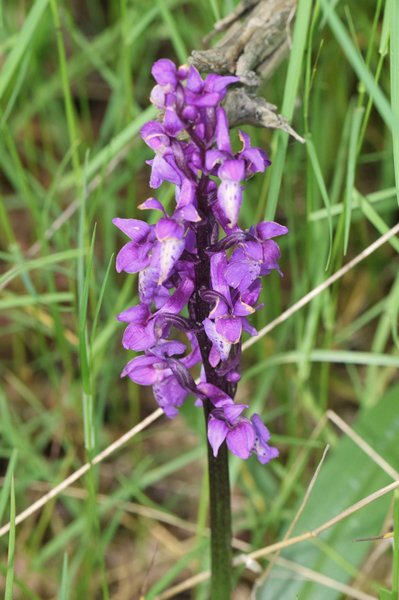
pixel 183 72
pixel 135 314
pixel 260 428
pixel 164 72
pixel 219 83
pixel 169 395
pixel 271 254
pixel 217 431
pixel 218 269
pixel 174 304
pixel 158 96
pixel 220 309
pixel 139 337
pixel 132 258
pixel 241 309
pixel 256 161
pixel 194 80
pixel 193 357
pixel 162 171
pixel 222 131
pixel 166 229
pixel 186 193
pixel 241 271
pixel 217 396
pixel 188 213
pixel 169 349
pixel 251 295
pixel 269 229
pixel 233 411
pixel 240 439
pixel 171 250
pixel 265 453
pixel 148 282
pixel 232 170
pixel 154 136
pixel 172 123
pixel 213 157
pixel 233 376
pixel 190 113
pixel 141 370
pixel 202 100
pixel 136 230
pixel 222 345
pixel 230 199
pixel 214 356
pixel 248 328
pixel 229 328
pixel 152 203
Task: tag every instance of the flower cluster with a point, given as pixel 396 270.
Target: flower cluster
pixel 199 272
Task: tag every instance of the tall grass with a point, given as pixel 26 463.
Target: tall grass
pixel 74 88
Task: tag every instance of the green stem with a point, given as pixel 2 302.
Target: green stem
pixel 220 522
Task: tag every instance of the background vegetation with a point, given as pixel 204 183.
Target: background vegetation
pixel 74 87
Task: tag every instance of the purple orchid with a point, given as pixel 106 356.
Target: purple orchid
pixel 190 281
pixel 242 436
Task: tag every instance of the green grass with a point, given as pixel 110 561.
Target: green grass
pixel 74 88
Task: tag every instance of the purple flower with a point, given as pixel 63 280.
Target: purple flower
pixel 252 259
pixel 143 330
pixel 191 282
pixel 242 436
pixel 264 452
pixel 225 424
pixel 155 369
pixel 232 170
pixel 135 255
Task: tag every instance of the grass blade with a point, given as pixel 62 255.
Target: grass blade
pixel 21 43
pixel 8 594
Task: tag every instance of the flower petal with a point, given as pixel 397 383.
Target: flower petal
pixel 217 396
pixel 218 268
pixel 148 282
pixel 241 271
pixel 132 258
pixel 164 72
pixel 222 131
pixel 241 309
pixel 233 411
pixel 271 254
pixel 265 453
pixel 232 170
pixel 171 250
pixel 135 314
pixel 240 439
pixel 139 337
pixel 152 203
pixel 229 200
pixel 166 229
pixel 222 345
pixel 135 229
pixel 169 395
pixel 141 370
pixel 174 304
pixel 229 328
pixel 217 431
pixel 269 229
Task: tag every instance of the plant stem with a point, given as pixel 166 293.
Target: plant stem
pixel 218 468
pixel 220 523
